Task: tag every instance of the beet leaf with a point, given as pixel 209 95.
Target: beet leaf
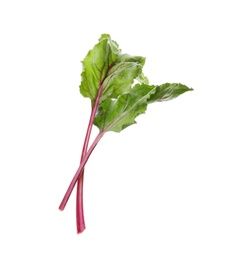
pixel 109 80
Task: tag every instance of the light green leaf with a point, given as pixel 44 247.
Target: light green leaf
pixel 168 91
pixel 96 65
pixel 142 79
pixel 117 114
pixel 120 79
pixel 128 58
pixel 105 67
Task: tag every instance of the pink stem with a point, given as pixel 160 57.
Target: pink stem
pixel 80 220
pixel 78 172
pixel 79 198
pixel 79 195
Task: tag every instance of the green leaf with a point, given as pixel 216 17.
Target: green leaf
pixel 96 65
pixel 168 91
pixel 142 79
pixel 128 58
pixel 120 79
pixel 117 114
pixel 105 67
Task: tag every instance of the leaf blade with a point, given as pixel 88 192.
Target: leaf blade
pixel 168 91
pixel 120 79
pixel 117 114
pixel 106 67
pixel 96 65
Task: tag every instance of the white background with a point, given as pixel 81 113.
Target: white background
pixel 158 190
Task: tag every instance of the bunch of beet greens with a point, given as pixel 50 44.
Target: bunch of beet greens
pixel 108 79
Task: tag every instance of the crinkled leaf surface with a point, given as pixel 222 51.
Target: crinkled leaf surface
pixel 105 66
pixel 96 65
pixel 168 91
pixel 120 101
pixel 117 114
pixel 120 79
